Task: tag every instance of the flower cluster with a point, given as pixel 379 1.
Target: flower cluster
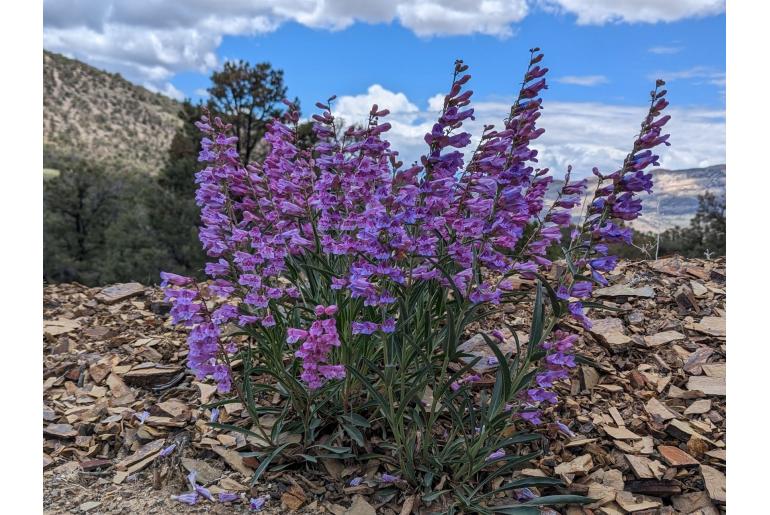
pixel 345 222
pixel 317 342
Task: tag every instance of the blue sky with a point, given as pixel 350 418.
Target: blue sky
pixel 603 54
pixel 319 63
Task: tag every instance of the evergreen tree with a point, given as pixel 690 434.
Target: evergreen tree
pixel 174 216
pixel 248 97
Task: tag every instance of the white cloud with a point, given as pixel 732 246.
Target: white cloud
pixel 167 89
pixel 698 74
pixel 665 50
pixel 583 80
pixel 583 134
pixel 599 12
pixel 151 40
pixel 437 17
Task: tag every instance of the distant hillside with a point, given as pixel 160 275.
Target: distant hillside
pixel 674 200
pixel 95 114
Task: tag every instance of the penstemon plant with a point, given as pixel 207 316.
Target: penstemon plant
pixel 344 282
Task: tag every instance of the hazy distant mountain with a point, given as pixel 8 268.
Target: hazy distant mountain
pixel 674 200
pixel 95 114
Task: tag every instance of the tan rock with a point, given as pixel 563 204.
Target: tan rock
pixel 698 407
pixel 715 483
pixel 676 457
pixel 707 385
pixel 713 326
pixel 658 339
pixel 119 292
pixel 582 464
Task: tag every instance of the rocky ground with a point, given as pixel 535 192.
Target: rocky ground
pixel 646 408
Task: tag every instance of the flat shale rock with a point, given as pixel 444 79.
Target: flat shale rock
pixel 713 326
pixel 477 346
pixel 582 464
pixel 657 409
pixel 676 457
pixel 59 326
pixel 623 290
pixel 611 333
pixel 698 407
pixel 205 473
pixel 659 339
pixel 151 376
pixel 119 292
pixel 715 483
pixel 60 431
pixel 708 385
pixel 691 501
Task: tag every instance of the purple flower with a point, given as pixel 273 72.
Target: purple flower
pixel 533 417
pixel 564 429
pixel 187 498
pixel 142 416
pixel 388 326
pixel 499 453
pixel 541 395
pixel 576 310
pixel 228 497
pixel 214 415
pixel 167 450
pixel 581 289
pixel 204 492
pixel 356 481
pixel 387 478
pixel 176 280
pixel 257 503
pixel 364 327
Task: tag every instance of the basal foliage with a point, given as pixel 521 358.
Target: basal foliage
pixel 344 281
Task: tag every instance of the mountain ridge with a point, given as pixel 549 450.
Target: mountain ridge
pixel 94 114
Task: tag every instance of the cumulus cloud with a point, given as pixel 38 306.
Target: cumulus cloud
pixel 598 12
pixel 583 80
pixel 152 40
pixel 581 134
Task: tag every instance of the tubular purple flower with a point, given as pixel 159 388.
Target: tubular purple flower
pixel 228 497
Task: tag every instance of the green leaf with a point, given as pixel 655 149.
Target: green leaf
pixel 266 462
pixel 548 500
pixel 237 429
pixel 357 420
pixel 355 434
pixel 434 495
